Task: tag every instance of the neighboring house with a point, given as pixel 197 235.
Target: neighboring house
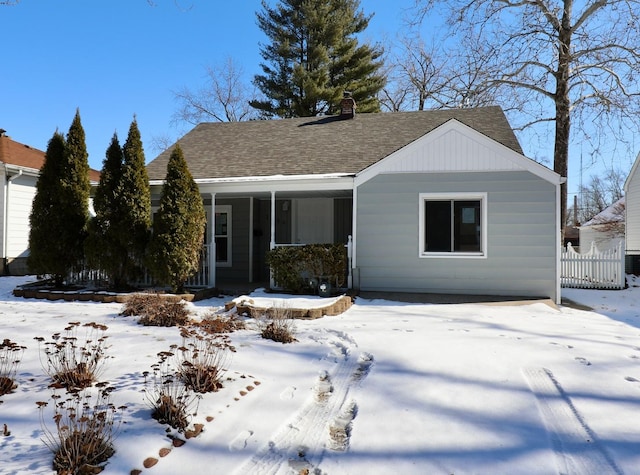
pixel 435 201
pixel 19 168
pixel 632 219
pixel 606 229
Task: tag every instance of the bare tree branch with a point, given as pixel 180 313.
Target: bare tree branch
pixel 223 98
pixel 574 61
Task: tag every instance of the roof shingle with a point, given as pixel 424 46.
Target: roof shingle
pixel 317 145
pixel 16 153
pixel 21 155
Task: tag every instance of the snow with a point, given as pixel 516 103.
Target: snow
pixel 386 387
pixel 614 213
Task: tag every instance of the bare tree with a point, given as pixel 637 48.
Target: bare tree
pixel 567 63
pixel 223 98
pixel 466 76
pixel 600 193
pixel 436 76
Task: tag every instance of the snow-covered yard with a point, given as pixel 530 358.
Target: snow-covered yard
pixel 420 389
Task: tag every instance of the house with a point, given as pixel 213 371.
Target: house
pixel 632 219
pixel 19 170
pixel 431 201
pixel 606 229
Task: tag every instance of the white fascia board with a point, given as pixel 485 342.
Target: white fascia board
pixel 326 182
pixel 515 160
pixel 14 169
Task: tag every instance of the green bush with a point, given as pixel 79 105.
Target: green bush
pixel 295 267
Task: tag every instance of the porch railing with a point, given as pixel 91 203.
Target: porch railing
pixel 98 278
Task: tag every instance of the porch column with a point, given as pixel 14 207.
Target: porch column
pixel 272 243
pixel 212 241
pixel 251 239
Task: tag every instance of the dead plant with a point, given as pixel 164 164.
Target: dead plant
pixel 214 324
pixel 10 355
pixel 72 363
pixel 201 360
pixel 85 429
pixel 278 325
pixel 170 400
pixel 137 304
pixel 155 310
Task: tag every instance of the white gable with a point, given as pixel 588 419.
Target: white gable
pixel 455 147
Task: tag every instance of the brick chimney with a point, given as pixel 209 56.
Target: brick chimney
pixel 347 106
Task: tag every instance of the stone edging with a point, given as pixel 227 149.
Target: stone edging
pixel 339 306
pixel 103 296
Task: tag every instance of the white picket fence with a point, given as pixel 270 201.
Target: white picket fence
pixel 594 269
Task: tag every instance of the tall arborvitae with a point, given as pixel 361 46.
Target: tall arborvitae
pixel 314 57
pixel 60 208
pixel 104 250
pixel 133 198
pixel 178 226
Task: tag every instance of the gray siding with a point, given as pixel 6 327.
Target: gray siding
pixel 240 228
pixel 521 235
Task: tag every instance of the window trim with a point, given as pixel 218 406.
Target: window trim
pixel 224 209
pixel 424 197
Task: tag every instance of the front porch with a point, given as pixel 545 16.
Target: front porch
pixel 243 225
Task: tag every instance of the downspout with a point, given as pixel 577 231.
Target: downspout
pixel 354 240
pixel 559 243
pixel 212 242
pixel 5 234
pixel 251 239
pixel 272 242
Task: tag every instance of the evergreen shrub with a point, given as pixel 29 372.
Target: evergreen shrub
pixel 298 269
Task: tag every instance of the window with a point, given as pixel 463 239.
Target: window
pixel 223 235
pixel 453 225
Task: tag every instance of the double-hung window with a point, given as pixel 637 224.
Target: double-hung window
pixel 223 235
pixel 453 225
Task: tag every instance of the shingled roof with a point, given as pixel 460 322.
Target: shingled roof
pixel 21 155
pixel 317 145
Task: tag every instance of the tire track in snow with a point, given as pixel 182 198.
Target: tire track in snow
pixel 300 443
pixel 577 449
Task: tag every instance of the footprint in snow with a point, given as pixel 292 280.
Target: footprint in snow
pixel 583 361
pixel 288 393
pixel 240 440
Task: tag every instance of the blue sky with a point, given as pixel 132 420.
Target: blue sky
pixel 118 58
pixel 113 59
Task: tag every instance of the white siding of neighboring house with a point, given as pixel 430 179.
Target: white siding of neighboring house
pixel 603 236
pixel 632 218
pixel 21 192
pixel 606 229
pixel 3 185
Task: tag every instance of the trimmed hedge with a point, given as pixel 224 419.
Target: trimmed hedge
pixel 299 269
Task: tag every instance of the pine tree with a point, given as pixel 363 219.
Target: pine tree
pixel 314 57
pixel 60 213
pixel 103 248
pixel 178 227
pixel 133 202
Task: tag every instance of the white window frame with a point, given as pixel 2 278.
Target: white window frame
pixel 227 210
pixel 424 197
